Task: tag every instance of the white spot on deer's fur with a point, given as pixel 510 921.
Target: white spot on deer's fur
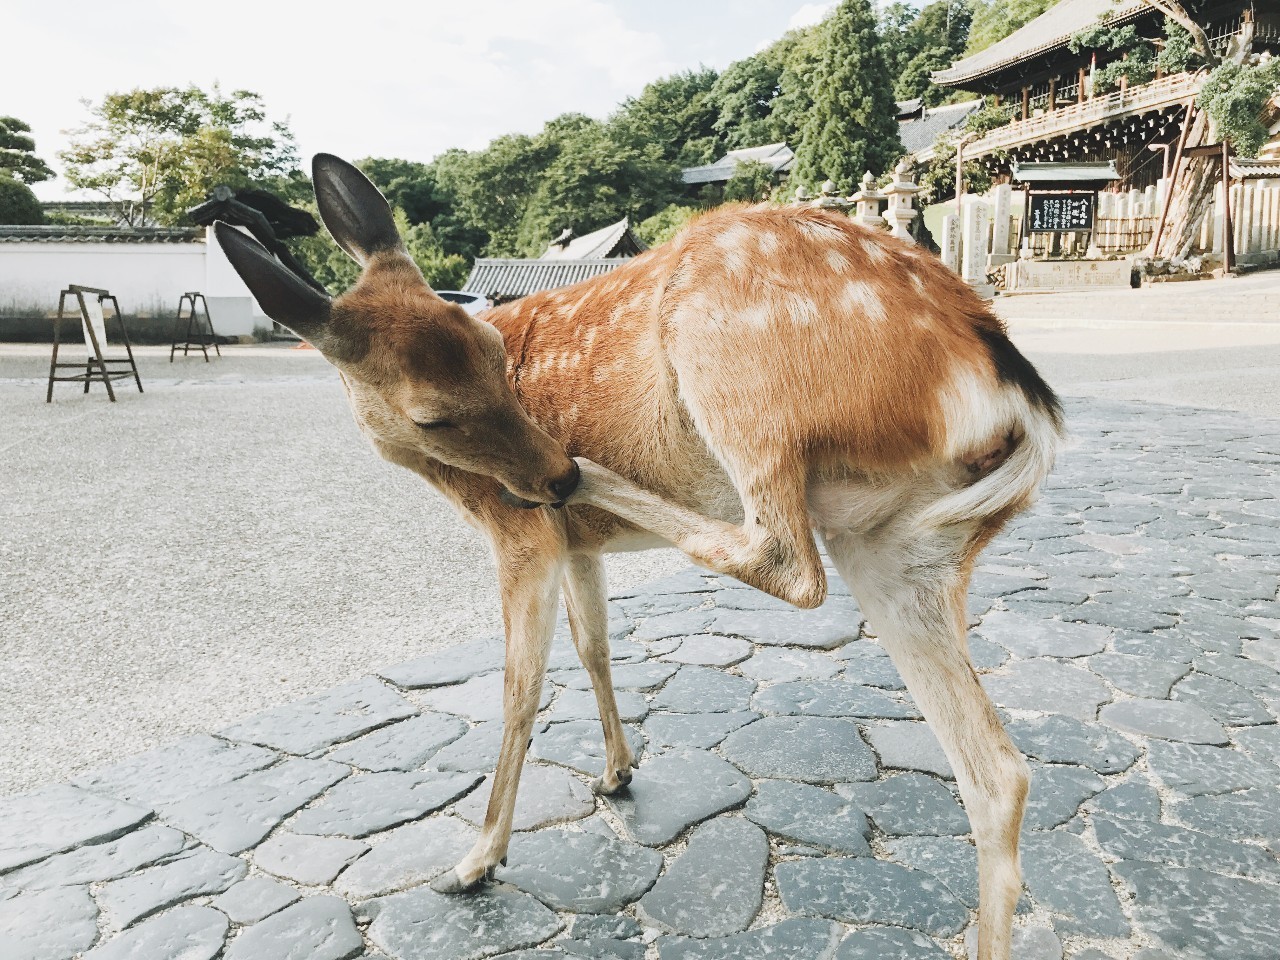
pixel 756 315
pixel 876 253
pixel 862 298
pixel 734 244
pixel 768 243
pixel 837 261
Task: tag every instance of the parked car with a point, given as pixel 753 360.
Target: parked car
pixel 473 303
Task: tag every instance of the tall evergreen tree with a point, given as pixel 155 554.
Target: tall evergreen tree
pixel 852 126
pixel 17 153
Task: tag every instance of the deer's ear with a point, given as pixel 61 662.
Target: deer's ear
pixel 280 292
pixel 356 214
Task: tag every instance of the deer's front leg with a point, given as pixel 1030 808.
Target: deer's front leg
pixel 531 562
pixel 773 550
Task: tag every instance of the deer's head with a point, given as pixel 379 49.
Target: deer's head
pixel 421 373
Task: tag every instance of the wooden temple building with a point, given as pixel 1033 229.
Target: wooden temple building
pixel 1058 116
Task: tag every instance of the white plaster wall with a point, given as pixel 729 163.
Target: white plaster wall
pixel 147 278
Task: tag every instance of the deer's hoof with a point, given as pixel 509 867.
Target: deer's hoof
pixel 606 787
pixel 452 883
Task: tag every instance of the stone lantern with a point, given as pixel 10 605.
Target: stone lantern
pixel 867 202
pixel 901 191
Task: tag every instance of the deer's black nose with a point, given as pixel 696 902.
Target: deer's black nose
pixel 562 488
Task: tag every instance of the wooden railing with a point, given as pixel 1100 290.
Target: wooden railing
pixel 1149 96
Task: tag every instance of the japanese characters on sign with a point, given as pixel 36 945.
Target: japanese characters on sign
pixel 1061 212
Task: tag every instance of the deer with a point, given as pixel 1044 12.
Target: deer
pixel 771 377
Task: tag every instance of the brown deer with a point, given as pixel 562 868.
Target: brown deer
pixel 768 373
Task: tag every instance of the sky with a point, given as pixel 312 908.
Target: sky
pixel 385 79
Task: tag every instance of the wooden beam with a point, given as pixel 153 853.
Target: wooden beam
pixel 1026 102
pixel 1172 178
pixel 1053 93
pixel 1228 232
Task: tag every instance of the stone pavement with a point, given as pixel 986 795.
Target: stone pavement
pixel 789 802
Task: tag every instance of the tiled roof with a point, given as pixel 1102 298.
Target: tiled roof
pixel 923 131
pixel 1245 169
pixel 615 240
pixel 1050 30
pixel 777 156
pixel 510 279
pixel 58 233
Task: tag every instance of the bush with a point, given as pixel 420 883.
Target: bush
pixel 1235 98
pixel 18 205
pixel 664 224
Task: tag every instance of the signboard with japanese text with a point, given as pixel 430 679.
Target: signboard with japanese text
pixel 1061 212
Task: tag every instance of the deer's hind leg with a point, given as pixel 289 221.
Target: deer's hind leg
pixel 912 589
pixel 531 556
pixel 586 597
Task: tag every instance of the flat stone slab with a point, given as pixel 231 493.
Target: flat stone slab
pixel 581 872
pixel 1180 847
pixel 699 730
pixel 97 862
pixel 864 890
pixel 704 690
pixel 477 699
pixel 1260 742
pixel 49 924
pixel 239 814
pixel 1164 720
pixel 1193 769
pixel 806 749
pixel 626 676
pixel 673 791
pixel 874 672
pixel 909 746
pixel 710 650
pixel 788 940
pixel 1058 739
pixel 1057 793
pixel 1247 815
pixel 1034 942
pixel 424 925
pixel 714 888
pixel 910 804
pixel 317 928
pixel 1194 912
pixel 372 802
pixel 178 770
pixel 810 815
pixel 579 744
pixel 1227 702
pixel 581 705
pixel 312 861
pixel 1150 677
pixel 777 664
pixel 547 795
pixel 680 623
pixel 1088 903
pixel 451 665
pixel 1133 801
pixel 1028 637
pixel 319 721
pixel 476 751
pixel 953 860
pixel 52 819
pixel 879 943
pixel 1049 686
pixel 830 698
pixel 188 933
pixel 407 856
pixel 833 624
pixel 254 898
pixel 200 872
pixel 401 746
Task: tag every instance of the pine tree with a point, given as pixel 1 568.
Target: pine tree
pixel 852 126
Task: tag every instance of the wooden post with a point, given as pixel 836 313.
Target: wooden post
pixel 1080 86
pixel 1228 232
pixel 1172 175
pixel 1026 102
pixel 1053 93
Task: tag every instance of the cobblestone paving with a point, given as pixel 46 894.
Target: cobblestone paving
pixel 789 803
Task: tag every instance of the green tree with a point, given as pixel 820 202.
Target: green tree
pixel 765 98
pixel 17 153
pixel 665 224
pixel 995 19
pixel 678 113
pixel 751 182
pixel 852 126
pixel 154 153
pixel 18 205
pixel 1238 100
pixel 492 187
pixel 916 44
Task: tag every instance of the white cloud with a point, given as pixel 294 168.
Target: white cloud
pixel 810 14
pixel 382 80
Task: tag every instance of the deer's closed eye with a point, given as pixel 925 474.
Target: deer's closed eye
pixel 436 424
